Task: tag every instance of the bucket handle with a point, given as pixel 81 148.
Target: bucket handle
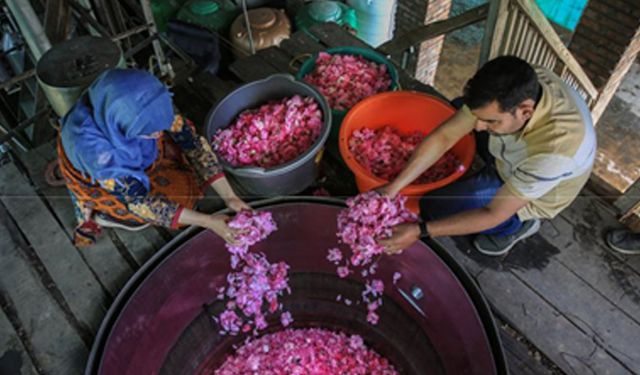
pixel 398 85
pixel 397 80
pixel 295 63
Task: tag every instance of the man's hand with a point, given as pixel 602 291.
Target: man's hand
pixel 403 236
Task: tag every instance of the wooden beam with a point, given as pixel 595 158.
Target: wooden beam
pixel 56 20
pixel 497 15
pixel 43 131
pixel 629 198
pixel 53 343
pixel 632 219
pixel 24 124
pixel 50 245
pixel 85 16
pixel 434 29
pixel 17 79
pixel 553 40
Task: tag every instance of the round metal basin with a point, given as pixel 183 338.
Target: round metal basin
pixel 433 321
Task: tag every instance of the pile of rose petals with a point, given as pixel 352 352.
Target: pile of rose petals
pixel 368 218
pixel 385 152
pixel 253 227
pixel 271 135
pixel 255 284
pixel 344 80
pixel 306 352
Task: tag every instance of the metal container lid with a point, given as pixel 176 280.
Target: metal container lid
pixel 78 61
pixel 204 7
pixel 262 18
pixel 325 11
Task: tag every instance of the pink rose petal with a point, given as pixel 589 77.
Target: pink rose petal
pixel 385 151
pixel 344 80
pixel 368 217
pixel 306 351
pixel 255 284
pixel 271 135
pixel 396 277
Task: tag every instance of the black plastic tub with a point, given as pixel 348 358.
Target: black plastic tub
pixel 287 179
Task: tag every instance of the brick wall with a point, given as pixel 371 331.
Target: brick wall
pixel 602 36
pixel 429 54
pixel 606 42
pixel 409 15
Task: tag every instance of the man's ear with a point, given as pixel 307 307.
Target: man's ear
pixel 526 109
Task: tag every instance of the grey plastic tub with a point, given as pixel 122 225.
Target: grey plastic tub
pixel 286 179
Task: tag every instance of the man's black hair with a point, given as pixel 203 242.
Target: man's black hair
pixel 508 80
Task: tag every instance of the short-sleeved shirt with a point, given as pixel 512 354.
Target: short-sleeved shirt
pixel 550 160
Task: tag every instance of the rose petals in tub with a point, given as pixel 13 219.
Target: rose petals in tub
pixel 271 135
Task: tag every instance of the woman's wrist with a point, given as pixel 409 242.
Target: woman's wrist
pixel 191 217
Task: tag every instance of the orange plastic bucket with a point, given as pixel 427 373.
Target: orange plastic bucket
pixel 406 111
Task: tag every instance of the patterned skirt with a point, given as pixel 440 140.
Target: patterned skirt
pixel 171 176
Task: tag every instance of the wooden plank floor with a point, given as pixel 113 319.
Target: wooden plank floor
pixel 565 303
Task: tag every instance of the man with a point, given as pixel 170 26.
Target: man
pixel 541 147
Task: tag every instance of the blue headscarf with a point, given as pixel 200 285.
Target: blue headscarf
pixel 101 135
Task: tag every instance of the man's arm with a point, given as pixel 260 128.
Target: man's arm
pixel 431 149
pixel 504 205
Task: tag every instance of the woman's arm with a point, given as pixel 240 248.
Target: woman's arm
pixel 164 212
pixel 215 223
pixel 205 162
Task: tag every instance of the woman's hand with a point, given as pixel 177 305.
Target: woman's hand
pixel 231 200
pixel 219 225
pixel 237 204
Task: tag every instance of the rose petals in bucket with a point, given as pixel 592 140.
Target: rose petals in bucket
pixel 271 135
pixel 344 80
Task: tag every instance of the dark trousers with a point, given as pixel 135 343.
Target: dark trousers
pixel 472 192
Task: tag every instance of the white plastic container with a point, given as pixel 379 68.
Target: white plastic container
pixel 376 20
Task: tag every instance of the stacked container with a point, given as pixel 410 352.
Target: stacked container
pixel 213 15
pixel 325 11
pixel 376 20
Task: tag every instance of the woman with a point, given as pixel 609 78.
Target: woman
pixel 129 161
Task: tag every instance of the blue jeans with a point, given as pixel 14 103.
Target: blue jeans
pixel 474 192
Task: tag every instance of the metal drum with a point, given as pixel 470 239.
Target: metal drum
pixel 433 321
pixel 68 68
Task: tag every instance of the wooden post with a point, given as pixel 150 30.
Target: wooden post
pixel 56 20
pixel 432 30
pixel 494 29
pixel 56 27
